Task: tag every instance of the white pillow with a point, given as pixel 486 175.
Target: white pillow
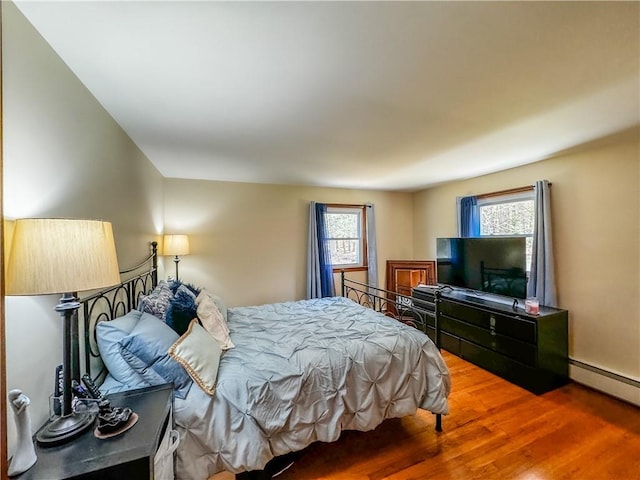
pixel 199 354
pixel 219 303
pixel 213 321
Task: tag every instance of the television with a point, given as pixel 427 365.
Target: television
pixel 494 265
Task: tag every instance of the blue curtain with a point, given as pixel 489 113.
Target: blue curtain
pixel 469 217
pixel 372 249
pixel 542 282
pixel 319 269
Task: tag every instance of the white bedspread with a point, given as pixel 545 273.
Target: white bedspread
pixel 302 372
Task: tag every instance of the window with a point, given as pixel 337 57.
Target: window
pixel 346 232
pixel 511 213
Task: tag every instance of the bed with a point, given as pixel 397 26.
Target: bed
pixel 281 377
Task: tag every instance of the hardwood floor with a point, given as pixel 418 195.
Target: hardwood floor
pixel 495 430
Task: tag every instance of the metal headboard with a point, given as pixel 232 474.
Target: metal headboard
pixel 113 303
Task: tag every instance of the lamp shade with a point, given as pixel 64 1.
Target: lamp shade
pixel 60 256
pixel 176 245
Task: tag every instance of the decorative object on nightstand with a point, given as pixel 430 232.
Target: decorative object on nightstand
pixel 113 421
pixel 63 256
pixel 25 455
pixel 176 245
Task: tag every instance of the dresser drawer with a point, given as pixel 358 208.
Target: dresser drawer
pixel 422 305
pixel 424 317
pixel 533 379
pixel 494 362
pixel 521 351
pixel 423 299
pixel 509 326
pixel 450 343
pixel 428 306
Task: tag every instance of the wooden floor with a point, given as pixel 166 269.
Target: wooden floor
pixel 495 430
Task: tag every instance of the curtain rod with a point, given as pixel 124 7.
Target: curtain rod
pixel 508 191
pixel 347 205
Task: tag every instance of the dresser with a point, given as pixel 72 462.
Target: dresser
pixel 528 350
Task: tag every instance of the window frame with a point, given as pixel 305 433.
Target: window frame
pixel 362 210
pixel 508 196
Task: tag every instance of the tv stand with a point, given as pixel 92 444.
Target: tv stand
pixel 528 350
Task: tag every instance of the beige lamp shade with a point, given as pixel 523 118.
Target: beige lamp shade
pixel 60 256
pixel 176 245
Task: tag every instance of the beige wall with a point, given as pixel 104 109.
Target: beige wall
pixel 64 156
pixel 249 241
pixel 596 213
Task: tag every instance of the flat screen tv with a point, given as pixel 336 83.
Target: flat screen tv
pixel 488 264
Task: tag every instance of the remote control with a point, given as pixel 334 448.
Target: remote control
pixel 91 386
pixel 79 390
pixel 58 386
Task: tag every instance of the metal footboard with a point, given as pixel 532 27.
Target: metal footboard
pixel 394 305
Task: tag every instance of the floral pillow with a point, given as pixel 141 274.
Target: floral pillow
pixel 157 302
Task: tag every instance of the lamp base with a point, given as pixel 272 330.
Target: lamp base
pixel 62 429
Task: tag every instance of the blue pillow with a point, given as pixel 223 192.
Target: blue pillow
pixel 145 351
pixel 108 335
pixel 176 284
pixel 181 310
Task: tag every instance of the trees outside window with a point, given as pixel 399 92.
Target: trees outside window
pixel 511 214
pixel 346 235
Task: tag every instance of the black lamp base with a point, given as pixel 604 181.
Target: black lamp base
pixel 62 429
pixel 176 260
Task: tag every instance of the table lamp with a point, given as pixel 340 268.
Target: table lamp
pixel 176 245
pixel 62 256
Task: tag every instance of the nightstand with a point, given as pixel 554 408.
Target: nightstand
pixel 129 455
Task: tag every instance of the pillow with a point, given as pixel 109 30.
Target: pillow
pixel 199 354
pixel 176 284
pixel 181 310
pixel 108 336
pixel 218 301
pixel 213 322
pixel 185 290
pixel 157 302
pixel 145 351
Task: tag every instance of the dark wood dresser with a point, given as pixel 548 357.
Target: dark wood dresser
pixel 528 350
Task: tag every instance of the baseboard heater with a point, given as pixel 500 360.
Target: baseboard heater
pixel 614 384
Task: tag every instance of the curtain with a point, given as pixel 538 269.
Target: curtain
pixel 372 248
pixel 319 270
pixel 542 282
pixel 469 217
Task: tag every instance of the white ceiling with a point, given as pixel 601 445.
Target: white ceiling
pixel 384 95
